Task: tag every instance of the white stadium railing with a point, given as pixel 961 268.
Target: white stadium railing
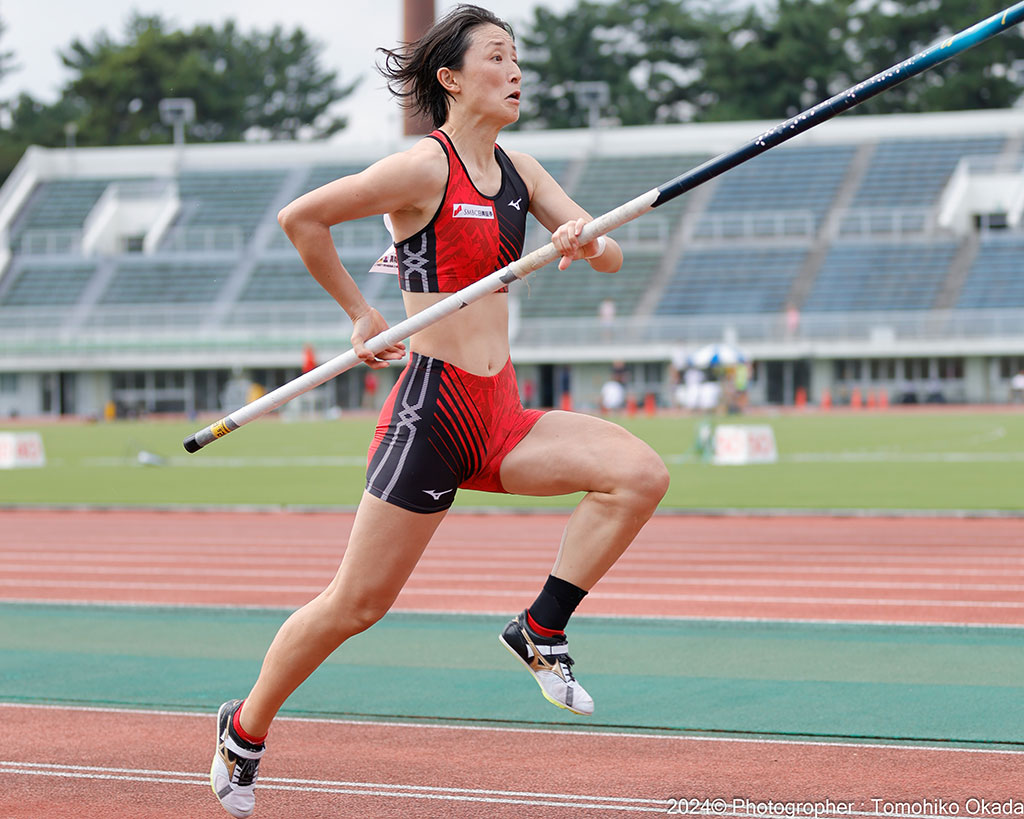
pixel 109 334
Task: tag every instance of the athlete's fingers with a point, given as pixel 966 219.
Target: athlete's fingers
pixel 567 242
pixel 366 326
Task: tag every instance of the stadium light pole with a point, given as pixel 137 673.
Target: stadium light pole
pixel 177 112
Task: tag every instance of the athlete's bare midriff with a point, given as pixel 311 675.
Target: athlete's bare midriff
pixel 474 339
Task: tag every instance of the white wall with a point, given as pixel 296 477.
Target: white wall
pixel 26 397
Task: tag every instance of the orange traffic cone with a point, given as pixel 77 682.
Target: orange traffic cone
pixel 826 400
pixel 883 399
pixel 800 399
pixel 650 403
pixel 567 401
pixel 855 400
pixel 631 404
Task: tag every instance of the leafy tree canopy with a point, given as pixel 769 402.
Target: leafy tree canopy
pixel 679 60
pixel 261 84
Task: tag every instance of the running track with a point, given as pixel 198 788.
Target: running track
pixel 924 570
pixel 85 762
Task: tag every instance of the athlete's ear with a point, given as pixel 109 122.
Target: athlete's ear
pixel 446 77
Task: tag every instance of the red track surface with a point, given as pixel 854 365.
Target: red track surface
pixel 894 570
pixel 89 764
pixel 350 770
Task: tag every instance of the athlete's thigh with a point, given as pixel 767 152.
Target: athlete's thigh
pixel 570 452
pixel 384 547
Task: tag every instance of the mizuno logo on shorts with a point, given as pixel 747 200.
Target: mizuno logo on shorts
pixel 472 212
pixel 437 493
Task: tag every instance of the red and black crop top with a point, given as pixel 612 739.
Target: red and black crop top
pixel 471 235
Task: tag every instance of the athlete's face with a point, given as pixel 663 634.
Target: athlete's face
pixel 490 76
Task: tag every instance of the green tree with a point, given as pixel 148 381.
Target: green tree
pixel 259 85
pixel 288 94
pixel 982 77
pixel 776 62
pixel 644 50
pixel 672 60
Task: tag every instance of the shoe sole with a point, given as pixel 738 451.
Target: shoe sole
pixel 213 765
pixel 547 696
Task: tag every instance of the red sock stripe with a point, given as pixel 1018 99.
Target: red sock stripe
pixel 241 731
pixel 543 632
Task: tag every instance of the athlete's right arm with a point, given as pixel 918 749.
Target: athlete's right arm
pixel 409 183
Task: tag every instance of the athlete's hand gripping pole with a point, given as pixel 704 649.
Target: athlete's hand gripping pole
pixel 919 63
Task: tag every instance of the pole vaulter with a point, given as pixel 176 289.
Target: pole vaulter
pixel 823 111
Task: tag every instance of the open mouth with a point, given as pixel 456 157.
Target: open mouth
pixel 513 96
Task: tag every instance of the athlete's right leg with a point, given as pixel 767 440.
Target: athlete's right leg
pixel 385 544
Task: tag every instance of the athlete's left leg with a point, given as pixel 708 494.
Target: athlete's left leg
pixel 623 477
pixel 624 480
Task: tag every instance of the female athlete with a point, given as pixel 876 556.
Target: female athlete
pixel 457 204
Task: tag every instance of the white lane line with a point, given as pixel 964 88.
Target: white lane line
pixel 401 790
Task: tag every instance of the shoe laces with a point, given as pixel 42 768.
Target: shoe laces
pixel 566 662
pixel 246 770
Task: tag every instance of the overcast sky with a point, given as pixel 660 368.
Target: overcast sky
pixel 349 29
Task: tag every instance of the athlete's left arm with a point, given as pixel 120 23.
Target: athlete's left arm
pixel 556 210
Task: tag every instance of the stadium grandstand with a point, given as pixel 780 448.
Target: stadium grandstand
pixel 872 254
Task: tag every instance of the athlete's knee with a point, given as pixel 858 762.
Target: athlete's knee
pixel 643 474
pixel 361 617
pixel 352 614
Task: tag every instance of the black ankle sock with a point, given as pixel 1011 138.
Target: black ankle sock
pixel 556 603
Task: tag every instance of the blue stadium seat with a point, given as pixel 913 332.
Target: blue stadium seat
pixel 163 282
pixel 741 279
pixel 995 278
pixel 215 200
pixel 786 179
pixel 48 285
pixel 579 291
pixel 889 276
pixel 912 172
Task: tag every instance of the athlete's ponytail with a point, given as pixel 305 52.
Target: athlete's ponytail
pixel 411 71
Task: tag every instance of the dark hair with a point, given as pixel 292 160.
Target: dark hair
pixel 412 70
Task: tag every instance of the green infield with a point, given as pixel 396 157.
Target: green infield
pixel 923 460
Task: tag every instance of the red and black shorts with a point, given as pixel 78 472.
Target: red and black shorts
pixel 442 429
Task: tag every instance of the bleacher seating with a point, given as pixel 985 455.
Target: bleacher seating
pixel 224 200
pixel 740 279
pixel 48 285
pixel 889 276
pixel 995 278
pixel 287 280
pixel 165 282
pixel 912 172
pixel 775 204
pixel 281 281
pixel 61 204
pixel 786 179
pixel 606 182
pixel 579 291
